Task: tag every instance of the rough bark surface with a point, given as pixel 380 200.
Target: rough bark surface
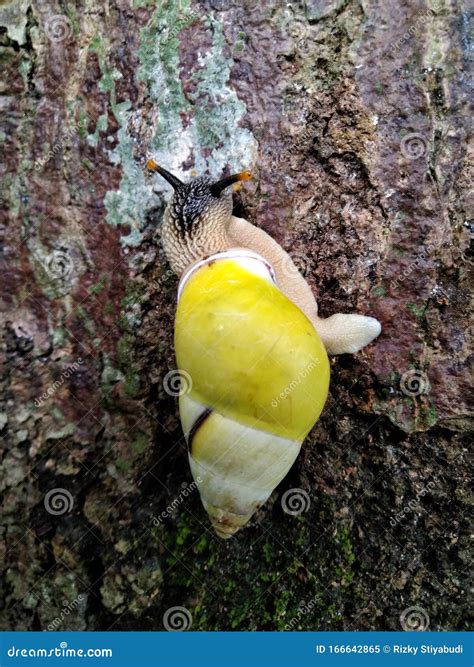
pixel 353 114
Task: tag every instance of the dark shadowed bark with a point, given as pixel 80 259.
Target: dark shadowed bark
pixel 353 114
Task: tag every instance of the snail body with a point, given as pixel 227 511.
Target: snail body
pixel 260 377
pixel 248 334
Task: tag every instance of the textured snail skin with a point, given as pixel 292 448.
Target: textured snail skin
pixel 342 333
pixel 260 377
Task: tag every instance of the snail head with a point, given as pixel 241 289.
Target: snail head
pixel 200 203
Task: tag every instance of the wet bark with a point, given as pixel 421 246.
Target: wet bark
pixel 353 115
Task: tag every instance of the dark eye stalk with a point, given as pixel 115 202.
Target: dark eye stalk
pixel 172 180
pixel 216 188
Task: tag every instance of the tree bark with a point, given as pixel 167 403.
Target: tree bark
pixel 353 114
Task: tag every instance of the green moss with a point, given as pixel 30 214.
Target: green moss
pixel 124 349
pixel 97 287
pixel 398 251
pixel 101 126
pixel 430 416
pixel 132 383
pixel 344 542
pixel 133 295
pixel 141 443
pixel 57 414
pixel 123 322
pixel 122 464
pixel 25 69
pixel 107 83
pixel 130 316
pixel 202 544
pixel 87 164
pixel 183 535
pixel 73 19
pixel 23 294
pixel 99 46
pixel 59 337
pixel 88 323
pixel 418 311
pixel 237 616
pixel 378 291
pixel 283 559
pixel 109 378
pixel 282 603
pixel 82 125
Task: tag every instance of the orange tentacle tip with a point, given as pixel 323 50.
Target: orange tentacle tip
pixel 242 176
pixel 152 165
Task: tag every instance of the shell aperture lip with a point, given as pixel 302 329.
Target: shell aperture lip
pixel 248 258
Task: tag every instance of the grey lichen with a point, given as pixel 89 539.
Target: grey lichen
pixel 13 17
pixel 213 112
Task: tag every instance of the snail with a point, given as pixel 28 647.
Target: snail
pixel 248 334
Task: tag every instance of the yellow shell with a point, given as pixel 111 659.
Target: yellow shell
pixel 259 380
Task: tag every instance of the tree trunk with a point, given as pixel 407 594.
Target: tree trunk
pixel 353 116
